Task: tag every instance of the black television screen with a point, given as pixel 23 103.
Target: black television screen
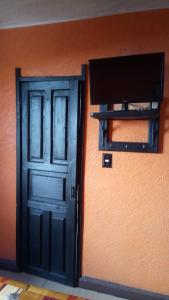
pixel 135 78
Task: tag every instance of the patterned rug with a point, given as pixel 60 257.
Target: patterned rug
pixel 15 290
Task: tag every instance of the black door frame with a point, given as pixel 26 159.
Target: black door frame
pixel 80 139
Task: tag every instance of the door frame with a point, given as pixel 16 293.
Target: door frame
pixel 80 158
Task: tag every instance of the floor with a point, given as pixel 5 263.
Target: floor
pixel 31 279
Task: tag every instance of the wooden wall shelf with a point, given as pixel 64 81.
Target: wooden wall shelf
pixel 127 115
pixel 105 116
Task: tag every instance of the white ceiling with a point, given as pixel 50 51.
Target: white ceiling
pixel 17 13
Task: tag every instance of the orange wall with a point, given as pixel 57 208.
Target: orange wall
pixel 126 208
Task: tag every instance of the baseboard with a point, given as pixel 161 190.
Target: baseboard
pixel 119 290
pixel 9 265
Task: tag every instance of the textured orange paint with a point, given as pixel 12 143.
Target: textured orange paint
pixel 126 208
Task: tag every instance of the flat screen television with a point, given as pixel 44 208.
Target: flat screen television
pixel 127 79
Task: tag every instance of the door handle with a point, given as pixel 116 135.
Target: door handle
pixel 73 192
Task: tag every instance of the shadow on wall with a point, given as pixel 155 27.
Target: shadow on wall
pixel 164 123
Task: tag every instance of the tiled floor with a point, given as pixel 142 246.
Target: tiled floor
pixel 31 279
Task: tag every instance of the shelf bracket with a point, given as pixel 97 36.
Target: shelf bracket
pixel 103 127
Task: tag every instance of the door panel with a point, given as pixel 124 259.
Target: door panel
pixel 58 244
pixel 49 169
pixel 34 248
pixel 35 125
pixel 59 128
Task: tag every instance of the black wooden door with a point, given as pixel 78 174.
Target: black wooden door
pixel 49 162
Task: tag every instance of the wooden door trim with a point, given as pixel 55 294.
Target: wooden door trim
pixel 18 171
pixel 20 79
pixel 51 78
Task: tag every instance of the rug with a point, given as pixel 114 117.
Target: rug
pixel 16 290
